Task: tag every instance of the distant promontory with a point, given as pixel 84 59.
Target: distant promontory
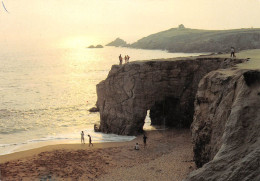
pixel 182 39
pixel 118 43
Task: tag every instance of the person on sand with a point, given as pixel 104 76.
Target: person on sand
pixel 144 139
pixel 137 146
pixel 90 141
pixel 82 137
pixel 120 59
pixel 232 52
pixel 128 58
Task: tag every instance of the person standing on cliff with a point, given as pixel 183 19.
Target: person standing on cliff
pixel 120 59
pixel 125 59
pixel 90 141
pixel 232 52
pixel 144 139
pixel 82 137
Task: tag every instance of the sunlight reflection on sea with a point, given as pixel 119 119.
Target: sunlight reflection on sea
pixel 45 94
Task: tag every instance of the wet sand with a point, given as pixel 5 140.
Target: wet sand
pixel 167 156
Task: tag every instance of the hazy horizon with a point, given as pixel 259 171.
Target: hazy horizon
pixel 73 24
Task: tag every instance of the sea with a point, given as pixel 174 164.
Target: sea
pixel 45 94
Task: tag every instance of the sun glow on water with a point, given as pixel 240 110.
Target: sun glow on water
pixel 78 42
pixel 46 94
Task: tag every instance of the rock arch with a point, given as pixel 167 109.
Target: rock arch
pixel 132 89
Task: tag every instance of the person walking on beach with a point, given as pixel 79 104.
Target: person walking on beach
pixel 90 141
pixel 120 59
pixel 232 52
pixel 128 58
pixel 137 146
pixel 82 137
pixel 144 139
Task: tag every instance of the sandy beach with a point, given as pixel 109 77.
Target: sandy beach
pixel 167 156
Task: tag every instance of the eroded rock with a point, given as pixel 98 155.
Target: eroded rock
pixel 226 127
pixel 132 89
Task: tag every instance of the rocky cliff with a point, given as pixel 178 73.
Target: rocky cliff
pixel 226 127
pixel 167 88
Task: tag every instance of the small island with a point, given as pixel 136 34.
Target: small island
pixel 118 43
pixel 98 46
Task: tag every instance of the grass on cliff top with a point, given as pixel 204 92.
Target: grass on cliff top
pixel 254 56
pixel 174 32
pixel 197 40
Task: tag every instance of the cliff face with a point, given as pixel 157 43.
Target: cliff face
pixel 166 88
pixel 226 126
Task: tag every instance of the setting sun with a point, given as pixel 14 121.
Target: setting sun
pixel 123 90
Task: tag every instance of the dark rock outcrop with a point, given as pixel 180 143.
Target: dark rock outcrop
pixel 118 43
pixel 91 46
pixel 166 88
pixel 226 127
pixel 98 46
pixel 252 77
pixel 93 109
pixel 97 127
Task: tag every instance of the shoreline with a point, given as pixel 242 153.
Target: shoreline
pixel 168 152
pixel 53 143
pixel 38 147
pixel 58 146
pixel 97 137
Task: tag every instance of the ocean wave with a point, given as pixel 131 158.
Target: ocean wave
pixel 10 112
pixel 11 130
pixel 12 144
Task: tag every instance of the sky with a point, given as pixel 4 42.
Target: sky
pixel 77 23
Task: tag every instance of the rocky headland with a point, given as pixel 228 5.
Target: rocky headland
pixel 220 102
pixel 182 39
pixel 167 88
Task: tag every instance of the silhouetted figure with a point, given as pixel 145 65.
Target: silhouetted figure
pixel 120 59
pixel 144 139
pixel 125 59
pixel 90 141
pixel 232 52
pixel 137 146
pixel 82 137
pixel 128 58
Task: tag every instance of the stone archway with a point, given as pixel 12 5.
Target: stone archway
pixel 132 89
pixel 171 114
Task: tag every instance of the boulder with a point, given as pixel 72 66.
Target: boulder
pixel 93 109
pixel 97 127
